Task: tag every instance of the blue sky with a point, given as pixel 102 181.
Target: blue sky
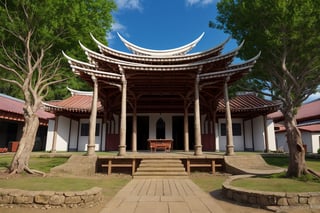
pixel 166 24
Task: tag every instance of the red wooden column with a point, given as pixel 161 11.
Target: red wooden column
pixel 93 118
pixel 123 122
pixel 229 145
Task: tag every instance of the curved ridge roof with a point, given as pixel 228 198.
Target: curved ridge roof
pixel 170 52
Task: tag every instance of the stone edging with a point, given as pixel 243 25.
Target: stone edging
pixel 50 199
pixel 267 199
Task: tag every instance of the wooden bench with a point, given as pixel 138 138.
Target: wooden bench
pixel 205 163
pixel 118 163
pixel 163 144
pixel 3 150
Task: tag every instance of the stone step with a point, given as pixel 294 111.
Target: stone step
pixel 160 168
pixel 160 174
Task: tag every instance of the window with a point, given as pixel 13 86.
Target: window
pixel 236 129
pixel 85 129
pixel 161 129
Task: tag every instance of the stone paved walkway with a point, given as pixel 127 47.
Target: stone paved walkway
pixel 162 196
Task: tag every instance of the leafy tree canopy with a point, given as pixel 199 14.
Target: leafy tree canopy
pixel 60 23
pixel 287 33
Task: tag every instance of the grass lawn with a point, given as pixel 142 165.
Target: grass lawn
pixel 283 162
pixel 43 162
pixel 208 183
pixel 277 184
pixel 111 184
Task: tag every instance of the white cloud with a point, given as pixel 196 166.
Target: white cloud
pixel 199 2
pixel 129 4
pixel 116 27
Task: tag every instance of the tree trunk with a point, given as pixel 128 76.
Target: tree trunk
pixel 297 165
pixel 20 161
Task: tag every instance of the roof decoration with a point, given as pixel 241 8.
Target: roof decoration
pixel 162 53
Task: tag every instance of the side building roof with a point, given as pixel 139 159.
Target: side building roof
pixel 12 109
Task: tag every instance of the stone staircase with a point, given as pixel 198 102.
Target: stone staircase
pixel 161 168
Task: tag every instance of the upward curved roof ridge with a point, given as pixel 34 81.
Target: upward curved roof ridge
pixel 182 50
pixel 104 48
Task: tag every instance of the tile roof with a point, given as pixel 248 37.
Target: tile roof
pixel 307 128
pixel 307 111
pixel 12 109
pixel 248 102
pixel 75 103
pixel 243 103
pixel 310 128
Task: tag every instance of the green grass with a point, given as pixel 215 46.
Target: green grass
pixel 277 184
pixel 44 163
pixel 110 185
pixel 283 162
pixel 208 183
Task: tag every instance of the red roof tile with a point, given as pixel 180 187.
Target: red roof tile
pixel 305 112
pixel 310 128
pixel 12 109
pixel 243 103
pixel 75 103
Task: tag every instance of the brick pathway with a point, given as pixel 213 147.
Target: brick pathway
pixel 162 196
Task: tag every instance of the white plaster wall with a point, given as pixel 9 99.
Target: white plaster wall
pixel 307 139
pixel 315 143
pixel 153 118
pixel 271 135
pixel 248 134
pixel 63 133
pixel 237 140
pixel 258 134
pixel 83 140
pixel 281 141
pixel 50 133
pixel 74 135
pixel 216 129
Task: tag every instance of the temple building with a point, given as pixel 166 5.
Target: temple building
pixel 160 94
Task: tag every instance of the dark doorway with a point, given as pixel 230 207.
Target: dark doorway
pixel 142 132
pixel 161 129
pixel 178 132
pixel 129 133
pixel 191 132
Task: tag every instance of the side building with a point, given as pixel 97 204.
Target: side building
pixel 308 122
pixel 12 122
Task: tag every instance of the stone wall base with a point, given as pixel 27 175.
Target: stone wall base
pixel 50 199
pixel 267 199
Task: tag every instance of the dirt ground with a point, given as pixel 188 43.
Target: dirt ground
pixel 227 205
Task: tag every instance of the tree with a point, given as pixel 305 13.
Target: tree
pixel 33 33
pixel 287 32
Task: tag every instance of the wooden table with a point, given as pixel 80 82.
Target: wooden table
pixel 163 144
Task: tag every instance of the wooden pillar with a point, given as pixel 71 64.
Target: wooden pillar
pixel 123 124
pixel 134 128
pixel 93 118
pixel 229 145
pixel 197 124
pixel 186 127
pixel 266 138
